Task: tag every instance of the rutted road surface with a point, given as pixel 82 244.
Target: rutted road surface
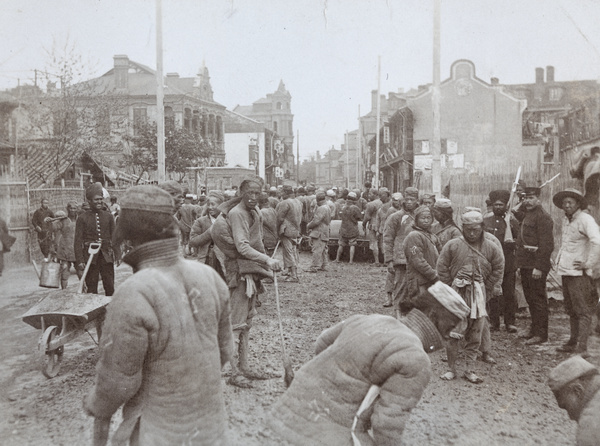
pixel 513 406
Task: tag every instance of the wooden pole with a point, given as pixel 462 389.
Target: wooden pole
pixel 298 157
pixel 436 149
pixel 160 94
pixel 376 173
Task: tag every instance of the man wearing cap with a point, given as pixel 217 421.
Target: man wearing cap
pixel 397 201
pixel 383 212
pixel 269 217
pixel 289 217
pixel 576 386
pixel 421 249
pixel 174 189
pixel 472 265
pixel 64 230
pixel 534 247
pixel 350 216
pixel 238 233
pixel 578 263
pixel 167 334
pixel 340 202
pixel 428 200
pixel 444 228
pixel 318 229
pixel 96 226
pixel 309 204
pixel 375 360
pixel 397 227
pixel 495 224
pixel 369 223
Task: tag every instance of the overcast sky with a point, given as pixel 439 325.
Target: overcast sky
pixel 324 50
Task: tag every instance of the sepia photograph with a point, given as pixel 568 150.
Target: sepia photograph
pixel 307 222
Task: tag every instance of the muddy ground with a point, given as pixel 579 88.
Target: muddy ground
pixel 513 406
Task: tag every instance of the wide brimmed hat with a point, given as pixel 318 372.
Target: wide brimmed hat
pixel 450 299
pixel 572 193
pixel 569 370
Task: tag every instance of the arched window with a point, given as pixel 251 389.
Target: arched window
pixel 196 122
pixel 279 106
pixel 274 126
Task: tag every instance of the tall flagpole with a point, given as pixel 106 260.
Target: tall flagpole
pixel 160 94
pixel 376 173
pixel 436 169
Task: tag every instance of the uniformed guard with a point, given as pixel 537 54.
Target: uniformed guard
pixel 534 247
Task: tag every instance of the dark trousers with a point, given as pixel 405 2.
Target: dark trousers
pixel 45 242
pixel 104 269
pixel 505 305
pixel 580 303
pixel 537 299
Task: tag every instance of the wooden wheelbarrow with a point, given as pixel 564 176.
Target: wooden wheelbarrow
pixel 62 316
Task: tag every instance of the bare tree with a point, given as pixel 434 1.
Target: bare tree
pixel 70 117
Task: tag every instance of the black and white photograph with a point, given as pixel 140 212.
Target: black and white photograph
pixel 307 223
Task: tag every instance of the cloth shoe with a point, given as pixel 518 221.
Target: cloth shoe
pixel 472 377
pixel 486 357
pixel 511 329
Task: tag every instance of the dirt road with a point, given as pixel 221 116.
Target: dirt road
pixel 513 406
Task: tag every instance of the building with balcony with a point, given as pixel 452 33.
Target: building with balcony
pixel 275 112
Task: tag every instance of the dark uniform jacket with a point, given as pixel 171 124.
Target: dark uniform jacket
pixel 497 226
pixel 92 226
pixel 536 241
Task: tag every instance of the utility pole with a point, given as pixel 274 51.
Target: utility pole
pixel 160 95
pixel 436 149
pixel 376 173
pixel 347 161
pixel 298 157
pixel 358 152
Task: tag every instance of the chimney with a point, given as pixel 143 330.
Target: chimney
pixel 121 71
pixel 175 75
pixel 539 75
pixel 495 81
pixel 373 100
pixel 549 73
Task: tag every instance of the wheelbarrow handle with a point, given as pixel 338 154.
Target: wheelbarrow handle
pixel 92 251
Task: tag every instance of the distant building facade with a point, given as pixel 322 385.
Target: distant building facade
pixel 275 112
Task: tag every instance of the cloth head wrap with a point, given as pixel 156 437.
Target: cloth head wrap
pixel 397 196
pixel 321 196
pixel 428 196
pixel 420 210
pixel 217 195
pixel 148 198
pixel 352 196
pixel 331 193
pixel 411 192
pixel 252 179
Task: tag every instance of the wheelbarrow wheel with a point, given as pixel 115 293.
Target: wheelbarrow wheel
pixel 50 359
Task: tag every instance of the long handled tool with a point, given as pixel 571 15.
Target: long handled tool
pixel 92 251
pixel 287 365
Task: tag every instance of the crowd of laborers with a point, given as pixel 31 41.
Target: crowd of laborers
pixel 175 323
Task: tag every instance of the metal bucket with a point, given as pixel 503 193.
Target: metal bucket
pixel 49 274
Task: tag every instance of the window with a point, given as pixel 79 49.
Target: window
pixel 555 94
pixel 169 118
pixel 279 106
pixel 187 119
pixel 275 126
pixel 140 119
pixel 421 147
